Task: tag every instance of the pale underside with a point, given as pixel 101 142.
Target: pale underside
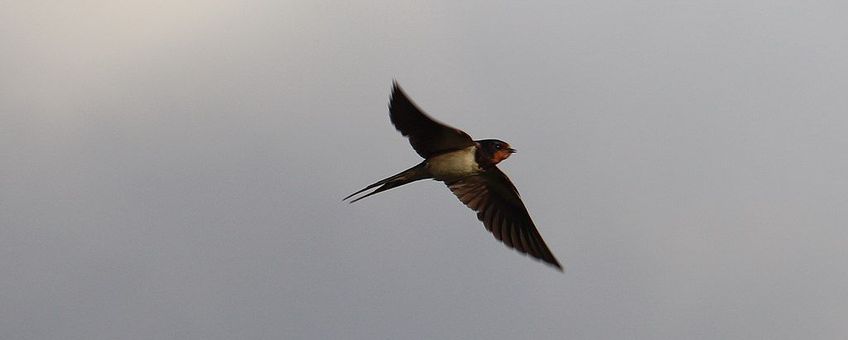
pixel 453 165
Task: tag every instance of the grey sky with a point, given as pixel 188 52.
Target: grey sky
pixel 174 169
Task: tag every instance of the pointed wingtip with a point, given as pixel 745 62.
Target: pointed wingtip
pixel 554 263
pixel 396 87
pixel 560 268
pixel 397 94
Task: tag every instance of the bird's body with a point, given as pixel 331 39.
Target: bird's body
pixel 468 168
pixel 454 164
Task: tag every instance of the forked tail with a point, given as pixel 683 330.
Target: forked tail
pixel 412 174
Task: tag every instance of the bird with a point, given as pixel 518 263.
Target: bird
pixel 469 169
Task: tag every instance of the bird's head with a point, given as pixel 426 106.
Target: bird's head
pixel 495 150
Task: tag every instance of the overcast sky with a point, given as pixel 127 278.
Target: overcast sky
pixel 175 169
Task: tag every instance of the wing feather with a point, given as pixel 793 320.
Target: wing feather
pixel 427 136
pixel 499 207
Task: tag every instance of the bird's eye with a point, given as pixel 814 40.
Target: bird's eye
pixel 498 146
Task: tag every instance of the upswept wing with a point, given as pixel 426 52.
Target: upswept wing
pixel 427 136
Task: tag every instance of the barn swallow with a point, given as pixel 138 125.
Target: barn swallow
pixel 469 169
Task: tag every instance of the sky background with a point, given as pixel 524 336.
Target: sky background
pixel 175 169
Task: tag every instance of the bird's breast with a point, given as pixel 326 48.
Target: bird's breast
pixel 453 165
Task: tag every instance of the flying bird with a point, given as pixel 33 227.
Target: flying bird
pixel 469 168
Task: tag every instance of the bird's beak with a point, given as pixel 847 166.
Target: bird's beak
pixel 511 150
